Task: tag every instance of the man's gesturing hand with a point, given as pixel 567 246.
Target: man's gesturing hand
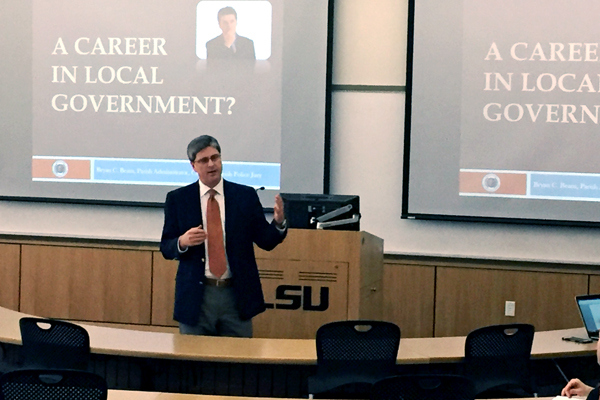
pixel 193 237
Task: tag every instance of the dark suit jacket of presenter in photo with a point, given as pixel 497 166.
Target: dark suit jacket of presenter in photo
pixel 244 225
pixel 242 49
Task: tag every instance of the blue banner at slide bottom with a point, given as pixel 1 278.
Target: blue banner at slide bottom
pixel 159 172
pixel 565 186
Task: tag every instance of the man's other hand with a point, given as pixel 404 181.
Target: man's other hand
pixel 193 237
pixel 278 214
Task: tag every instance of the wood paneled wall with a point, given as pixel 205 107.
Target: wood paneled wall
pixel 314 277
pixel 86 284
pixel 163 290
pixel 439 299
pixel 469 298
pixel 10 260
pixel 409 298
pixel 104 283
pixel 594 284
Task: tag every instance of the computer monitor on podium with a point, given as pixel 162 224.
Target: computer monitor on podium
pixel 322 211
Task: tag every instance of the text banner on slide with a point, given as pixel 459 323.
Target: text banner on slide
pixel 147 172
pixel 530 185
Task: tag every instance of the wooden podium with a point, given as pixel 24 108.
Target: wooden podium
pixel 319 276
pixel 313 277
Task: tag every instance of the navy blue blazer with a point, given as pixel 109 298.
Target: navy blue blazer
pixel 245 225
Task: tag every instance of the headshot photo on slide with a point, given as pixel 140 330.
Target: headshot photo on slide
pixel 231 30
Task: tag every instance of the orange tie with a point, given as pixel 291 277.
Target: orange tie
pixel 216 248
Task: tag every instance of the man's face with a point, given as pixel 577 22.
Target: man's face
pixel 228 23
pixel 208 166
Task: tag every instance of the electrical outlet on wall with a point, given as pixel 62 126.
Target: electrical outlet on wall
pixel 509 308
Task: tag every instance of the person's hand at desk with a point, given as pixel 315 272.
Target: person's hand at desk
pixel 576 388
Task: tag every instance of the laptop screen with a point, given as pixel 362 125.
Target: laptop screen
pixel 589 307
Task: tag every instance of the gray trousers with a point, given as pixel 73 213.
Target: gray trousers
pixel 218 316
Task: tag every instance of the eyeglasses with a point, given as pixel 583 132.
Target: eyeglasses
pixel 204 160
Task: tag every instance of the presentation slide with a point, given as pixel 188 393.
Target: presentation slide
pixel 114 91
pixel 504 110
pixel 525 90
pixel 590 311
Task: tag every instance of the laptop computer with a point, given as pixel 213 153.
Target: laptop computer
pixel 589 309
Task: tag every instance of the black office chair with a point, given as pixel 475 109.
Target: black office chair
pixel 352 355
pixel 497 360
pixel 423 387
pixel 52 385
pixel 54 344
pixel 5 365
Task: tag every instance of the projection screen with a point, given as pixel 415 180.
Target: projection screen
pixel 100 98
pixel 503 111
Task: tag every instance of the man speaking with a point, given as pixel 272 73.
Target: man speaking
pixel 211 227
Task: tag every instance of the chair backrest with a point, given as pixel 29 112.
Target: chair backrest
pixel 372 345
pixel 358 340
pixel 423 387
pixel 54 344
pixel 352 355
pixel 52 385
pixel 499 355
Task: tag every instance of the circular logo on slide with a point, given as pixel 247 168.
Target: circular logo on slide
pixel 491 182
pixel 60 168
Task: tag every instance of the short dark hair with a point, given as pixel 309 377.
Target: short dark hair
pixel 226 11
pixel 200 143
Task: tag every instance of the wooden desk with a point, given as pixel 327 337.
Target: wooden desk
pixel 548 344
pixel 136 395
pixel 125 342
pixel 139 359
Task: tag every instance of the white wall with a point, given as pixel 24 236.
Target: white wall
pixel 369 45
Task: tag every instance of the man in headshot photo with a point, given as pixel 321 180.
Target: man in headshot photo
pixel 211 227
pixel 229 45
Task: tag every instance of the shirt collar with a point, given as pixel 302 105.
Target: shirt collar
pixel 204 188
